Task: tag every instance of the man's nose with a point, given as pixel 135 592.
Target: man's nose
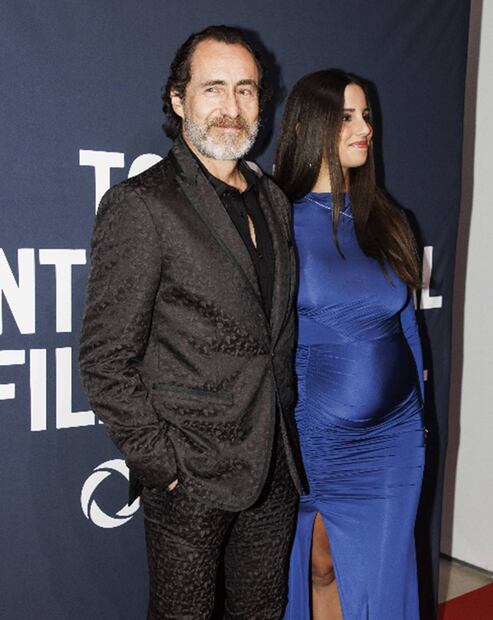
pixel 230 104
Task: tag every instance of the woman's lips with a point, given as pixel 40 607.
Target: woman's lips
pixel 361 144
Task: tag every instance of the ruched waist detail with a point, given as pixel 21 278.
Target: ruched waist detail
pixel 360 383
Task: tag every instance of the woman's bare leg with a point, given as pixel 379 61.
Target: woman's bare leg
pixel 325 598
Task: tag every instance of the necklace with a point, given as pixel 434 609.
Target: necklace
pixel 321 204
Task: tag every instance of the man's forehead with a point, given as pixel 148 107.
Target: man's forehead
pixel 215 57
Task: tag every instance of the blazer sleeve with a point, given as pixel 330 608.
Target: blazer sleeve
pixel 411 333
pixel 123 282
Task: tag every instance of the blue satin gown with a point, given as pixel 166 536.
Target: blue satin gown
pixel 359 417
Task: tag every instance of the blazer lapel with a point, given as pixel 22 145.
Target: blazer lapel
pixel 204 199
pixel 284 262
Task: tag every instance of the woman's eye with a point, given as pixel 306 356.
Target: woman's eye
pixel 346 117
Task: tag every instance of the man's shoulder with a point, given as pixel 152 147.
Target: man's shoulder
pixel 159 179
pixel 158 175
pixel 277 199
pixel 275 192
pixel 254 167
pixel 263 176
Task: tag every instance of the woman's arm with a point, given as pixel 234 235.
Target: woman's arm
pixel 411 333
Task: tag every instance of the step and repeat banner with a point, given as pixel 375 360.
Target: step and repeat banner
pixel 80 111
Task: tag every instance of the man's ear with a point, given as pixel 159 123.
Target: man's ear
pixel 177 103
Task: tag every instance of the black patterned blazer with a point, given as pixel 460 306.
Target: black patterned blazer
pixel 177 356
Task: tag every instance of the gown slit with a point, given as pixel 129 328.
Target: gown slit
pixel 338 576
pixel 300 579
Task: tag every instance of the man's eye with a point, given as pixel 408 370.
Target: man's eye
pixel 247 92
pixel 211 89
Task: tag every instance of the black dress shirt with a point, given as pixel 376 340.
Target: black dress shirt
pixel 239 206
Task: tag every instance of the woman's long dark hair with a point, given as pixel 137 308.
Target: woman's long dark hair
pixel 309 134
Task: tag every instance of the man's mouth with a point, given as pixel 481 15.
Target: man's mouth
pixel 228 127
pixel 233 124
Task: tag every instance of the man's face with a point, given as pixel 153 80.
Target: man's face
pixel 220 108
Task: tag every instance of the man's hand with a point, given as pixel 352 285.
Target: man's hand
pixel 172 485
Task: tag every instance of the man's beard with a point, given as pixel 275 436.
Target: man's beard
pixel 224 145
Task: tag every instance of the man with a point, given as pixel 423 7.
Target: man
pixel 187 343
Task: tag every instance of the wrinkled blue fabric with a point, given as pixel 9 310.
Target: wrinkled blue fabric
pixel 359 417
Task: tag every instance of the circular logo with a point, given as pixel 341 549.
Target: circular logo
pixel 89 505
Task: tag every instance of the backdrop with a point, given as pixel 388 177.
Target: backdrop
pixel 80 111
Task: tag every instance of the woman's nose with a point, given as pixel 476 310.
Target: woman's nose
pixel 364 128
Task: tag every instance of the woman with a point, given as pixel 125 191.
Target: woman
pixel 358 363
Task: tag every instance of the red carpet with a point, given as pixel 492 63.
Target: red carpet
pixel 475 605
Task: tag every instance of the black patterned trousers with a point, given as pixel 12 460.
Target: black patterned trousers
pixel 187 540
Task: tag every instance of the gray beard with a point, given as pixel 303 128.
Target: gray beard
pixel 230 146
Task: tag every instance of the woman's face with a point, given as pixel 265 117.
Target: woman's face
pixel 356 131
